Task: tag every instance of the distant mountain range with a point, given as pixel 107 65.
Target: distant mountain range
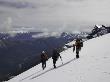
pixel 98 31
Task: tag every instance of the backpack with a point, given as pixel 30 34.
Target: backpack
pixel 44 56
pixel 55 55
pixel 79 44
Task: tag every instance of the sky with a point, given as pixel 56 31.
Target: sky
pixel 53 15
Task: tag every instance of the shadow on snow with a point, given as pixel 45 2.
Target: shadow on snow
pixel 52 69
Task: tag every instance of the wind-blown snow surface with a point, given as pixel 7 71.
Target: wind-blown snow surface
pixel 92 66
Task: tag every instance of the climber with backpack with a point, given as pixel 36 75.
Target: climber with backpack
pixel 78 45
pixel 55 57
pixel 44 58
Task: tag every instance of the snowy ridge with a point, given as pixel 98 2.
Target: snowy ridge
pixel 92 66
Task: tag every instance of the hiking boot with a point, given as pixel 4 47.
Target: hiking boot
pixel 54 66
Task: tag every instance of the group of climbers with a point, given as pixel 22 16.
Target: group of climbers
pixel 55 55
pixel 44 58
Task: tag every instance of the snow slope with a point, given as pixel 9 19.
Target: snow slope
pixel 92 66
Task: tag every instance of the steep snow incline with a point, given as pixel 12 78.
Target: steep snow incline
pixel 92 66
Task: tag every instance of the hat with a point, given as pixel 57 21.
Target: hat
pixel 43 51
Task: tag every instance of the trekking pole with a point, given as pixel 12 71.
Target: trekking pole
pixel 61 59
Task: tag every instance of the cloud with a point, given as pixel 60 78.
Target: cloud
pixel 75 0
pixel 56 15
pixel 47 34
pixel 15 4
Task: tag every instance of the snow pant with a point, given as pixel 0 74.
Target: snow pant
pixel 43 65
pixel 77 53
pixel 54 62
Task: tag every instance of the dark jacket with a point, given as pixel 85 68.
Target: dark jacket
pixel 44 57
pixel 78 44
pixel 55 55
